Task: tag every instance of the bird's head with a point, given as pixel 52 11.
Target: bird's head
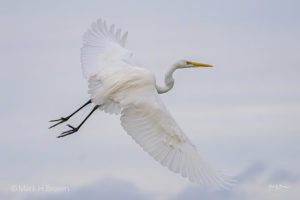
pixel 190 64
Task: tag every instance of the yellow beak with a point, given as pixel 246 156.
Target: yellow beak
pixel 198 64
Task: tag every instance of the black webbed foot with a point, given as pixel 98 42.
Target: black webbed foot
pixel 73 130
pixel 59 121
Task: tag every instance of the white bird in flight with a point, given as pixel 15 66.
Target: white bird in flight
pixel 118 86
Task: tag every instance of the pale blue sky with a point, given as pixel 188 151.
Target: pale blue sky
pixel 242 114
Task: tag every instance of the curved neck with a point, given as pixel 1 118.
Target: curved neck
pixel 169 81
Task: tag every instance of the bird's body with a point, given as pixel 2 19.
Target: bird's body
pixel 118 86
pixel 122 87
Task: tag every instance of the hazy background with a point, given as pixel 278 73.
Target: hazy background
pixel 243 114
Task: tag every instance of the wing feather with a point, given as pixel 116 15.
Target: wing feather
pixel 153 128
pixel 103 52
pixel 103 48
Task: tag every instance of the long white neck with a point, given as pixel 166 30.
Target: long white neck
pixel 169 80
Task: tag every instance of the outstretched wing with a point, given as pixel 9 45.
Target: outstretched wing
pixel 103 49
pixel 154 129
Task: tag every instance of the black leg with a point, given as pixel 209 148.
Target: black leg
pixel 73 130
pixel 64 119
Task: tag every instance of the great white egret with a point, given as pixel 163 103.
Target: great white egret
pixel 118 86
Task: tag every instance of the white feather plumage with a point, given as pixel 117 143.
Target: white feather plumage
pixel 118 86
